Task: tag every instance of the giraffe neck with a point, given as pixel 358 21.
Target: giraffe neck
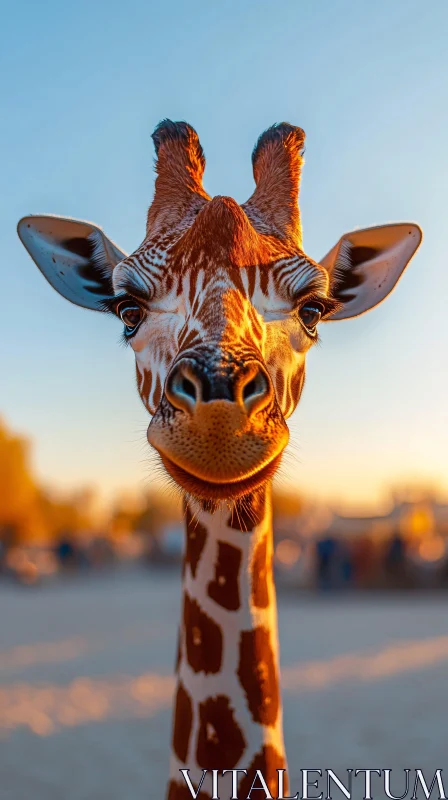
pixel 227 711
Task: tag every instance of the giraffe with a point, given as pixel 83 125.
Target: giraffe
pixel 220 304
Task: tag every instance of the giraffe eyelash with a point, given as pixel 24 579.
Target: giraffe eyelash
pixel 329 304
pixel 124 340
pixel 110 304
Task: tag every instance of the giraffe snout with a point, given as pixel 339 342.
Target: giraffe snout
pixel 191 384
pixel 219 430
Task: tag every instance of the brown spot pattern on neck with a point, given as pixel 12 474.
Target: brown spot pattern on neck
pixel 268 761
pixel 220 739
pixel 203 637
pixel 260 572
pixel 258 675
pixel 196 538
pixel 183 722
pixel 224 589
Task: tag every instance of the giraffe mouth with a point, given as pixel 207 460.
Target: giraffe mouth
pixel 213 490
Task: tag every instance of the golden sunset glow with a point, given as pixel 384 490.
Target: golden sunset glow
pixel 223 405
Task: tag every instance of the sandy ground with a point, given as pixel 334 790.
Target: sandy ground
pixel 86 682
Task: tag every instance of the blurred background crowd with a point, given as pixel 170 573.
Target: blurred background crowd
pixel 45 534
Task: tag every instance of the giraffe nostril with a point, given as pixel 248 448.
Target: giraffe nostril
pixel 257 392
pixel 183 387
pixel 191 384
pixel 189 388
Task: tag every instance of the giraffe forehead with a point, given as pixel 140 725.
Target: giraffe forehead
pixel 220 241
pixel 206 280
pixel 228 311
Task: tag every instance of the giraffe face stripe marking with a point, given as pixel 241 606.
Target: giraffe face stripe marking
pixel 260 572
pixel 203 637
pixel 183 723
pixel 220 739
pixel 216 280
pixel 224 589
pixel 258 675
pixel 196 539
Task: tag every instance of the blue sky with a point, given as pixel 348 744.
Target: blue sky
pixel 85 83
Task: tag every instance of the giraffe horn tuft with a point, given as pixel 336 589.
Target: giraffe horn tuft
pixel 277 161
pixel 289 136
pixel 169 133
pixel 179 165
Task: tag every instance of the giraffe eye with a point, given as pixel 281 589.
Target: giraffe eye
pixel 311 314
pixel 131 315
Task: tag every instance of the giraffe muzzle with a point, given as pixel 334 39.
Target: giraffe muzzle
pixel 219 431
pixel 191 384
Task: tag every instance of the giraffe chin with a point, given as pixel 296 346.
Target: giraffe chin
pixel 207 490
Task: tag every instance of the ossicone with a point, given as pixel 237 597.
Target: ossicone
pixel 170 134
pixel 277 161
pixel 179 164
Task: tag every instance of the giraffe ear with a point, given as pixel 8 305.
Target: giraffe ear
pixel 75 257
pixel 365 265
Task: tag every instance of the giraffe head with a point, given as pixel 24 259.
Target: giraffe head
pixel 220 304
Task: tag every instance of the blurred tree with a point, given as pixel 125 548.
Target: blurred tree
pixel 29 512
pixel 124 514
pixel 66 514
pixel 19 512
